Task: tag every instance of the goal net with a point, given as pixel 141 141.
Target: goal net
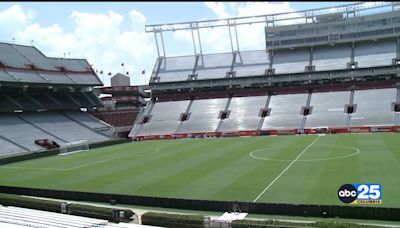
pixel 74 147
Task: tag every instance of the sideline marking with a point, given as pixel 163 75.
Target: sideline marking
pixel 357 151
pixel 276 178
pixel 152 151
pixel 80 166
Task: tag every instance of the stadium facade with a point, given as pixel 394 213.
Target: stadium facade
pixel 323 70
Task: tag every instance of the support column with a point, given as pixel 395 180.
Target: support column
pixel 237 40
pixel 230 37
pixel 156 69
pixel 196 63
pixel 304 120
pixel 194 43
pixel 162 42
pixel 308 99
pixel 352 62
pixel 266 106
pixel 233 62
pixel 351 102
pixel 271 58
pixel 198 36
pixel 352 96
pixel 225 110
pixel 310 60
pixel 158 49
pixel 187 113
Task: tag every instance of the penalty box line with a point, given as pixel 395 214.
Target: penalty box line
pixel 276 178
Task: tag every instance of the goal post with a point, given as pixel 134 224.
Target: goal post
pixel 74 147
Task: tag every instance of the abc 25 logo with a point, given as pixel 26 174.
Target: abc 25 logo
pixel 360 193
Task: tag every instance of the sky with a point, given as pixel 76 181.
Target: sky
pixel 108 34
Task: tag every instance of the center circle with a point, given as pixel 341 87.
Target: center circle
pixel 255 154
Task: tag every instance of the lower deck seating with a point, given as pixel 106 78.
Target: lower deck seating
pixel 373 108
pixel 165 117
pixel 328 110
pixel 244 113
pixel 285 111
pixel 87 120
pixel 18 131
pixel 204 115
pixel 8 147
pixel 23 133
pixel 61 126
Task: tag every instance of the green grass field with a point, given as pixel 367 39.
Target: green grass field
pixel 283 169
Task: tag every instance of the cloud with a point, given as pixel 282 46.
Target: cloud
pixel 98 37
pixel 14 17
pixel 218 8
pixel 106 42
pixel 138 20
pixel 251 37
pixel 260 8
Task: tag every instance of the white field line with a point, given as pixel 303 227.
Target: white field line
pixel 276 178
pixel 155 150
pixel 89 164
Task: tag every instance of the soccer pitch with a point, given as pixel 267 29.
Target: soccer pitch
pixel 283 169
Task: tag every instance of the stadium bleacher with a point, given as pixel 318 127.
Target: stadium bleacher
pixel 37 58
pixel 24 128
pixel 23 133
pixel 370 54
pixel 331 58
pixel 214 65
pixel 311 75
pixel 56 77
pixel 88 120
pixel 288 61
pixel 8 105
pixel 204 115
pixel 255 63
pixel 8 147
pixel 285 111
pixel 323 72
pixel 328 109
pixel 176 68
pixel 16 217
pixel 35 218
pixel 244 113
pixel 374 107
pixel 10 56
pixel 40 98
pixel 251 63
pixel 79 65
pixel 165 117
pixel 61 126
pixel 28 64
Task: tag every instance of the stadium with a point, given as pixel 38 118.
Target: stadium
pixel 279 137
